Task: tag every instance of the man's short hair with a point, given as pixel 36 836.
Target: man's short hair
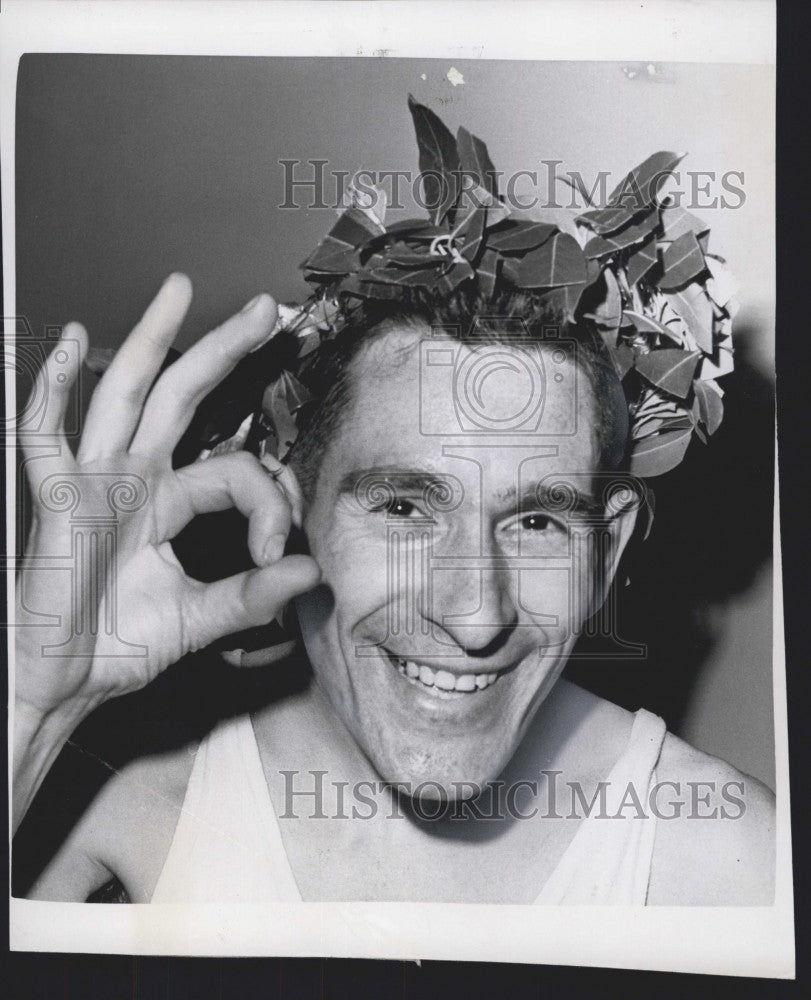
pixel 468 319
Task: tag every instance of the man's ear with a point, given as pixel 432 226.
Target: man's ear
pixel 614 539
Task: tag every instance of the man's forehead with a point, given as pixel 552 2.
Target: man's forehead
pixel 416 396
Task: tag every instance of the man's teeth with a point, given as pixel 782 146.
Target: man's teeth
pixel 444 679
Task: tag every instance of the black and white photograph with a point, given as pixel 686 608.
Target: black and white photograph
pixel 391 440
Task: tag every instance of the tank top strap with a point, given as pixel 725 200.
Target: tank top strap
pixel 227 845
pixel 609 859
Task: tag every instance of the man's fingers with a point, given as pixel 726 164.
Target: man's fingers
pixel 249 599
pixel 238 480
pixel 41 422
pixel 288 481
pixel 181 388
pixel 44 411
pixel 117 402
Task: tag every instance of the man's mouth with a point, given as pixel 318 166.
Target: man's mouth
pixel 441 682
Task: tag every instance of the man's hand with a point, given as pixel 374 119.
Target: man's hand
pixel 131 611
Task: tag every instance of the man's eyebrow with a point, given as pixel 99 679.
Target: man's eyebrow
pixel 402 479
pixel 560 495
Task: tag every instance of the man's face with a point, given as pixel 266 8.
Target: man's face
pixel 452 592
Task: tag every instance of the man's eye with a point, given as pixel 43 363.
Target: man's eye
pixel 396 508
pixel 401 508
pixel 535 522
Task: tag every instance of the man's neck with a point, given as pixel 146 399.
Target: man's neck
pixel 302 736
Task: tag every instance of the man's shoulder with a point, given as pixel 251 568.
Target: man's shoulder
pixel 715 835
pixel 161 777
pixel 715 826
pixel 125 833
pixel 130 825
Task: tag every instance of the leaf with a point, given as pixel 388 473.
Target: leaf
pixel 337 253
pixel 420 278
pixel 472 231
pixel 475 160
pixel 655 455
pixel 578 185
pixel 623 358
pixel 310 342
pixel 296 394
pixel 497 212
pixel 643 180
pixel 402 255
pixel 354 228
pixel 438 155
pixel 523 234
pixel 487 272
pixel 332 259
pixel 452 278
pixel 644 324
pixel 479 197
pixel 593 271
pixel 670 369
pixel 557 262
pixel 601 246
pixel 721 286
pixel 693 306
pixel 640 262
pixel 280 403
pixel 709 404
pixel 680 422
pixel 408 226
pixel 678 221
pixel 361 286
pixel 644 428
pixel 609 337
pixel 564 299
pixel 658 404
pixel 606 220
pixel 372 201
pixel 682 262
pixel 604 302
pixel 718 364
pixel 324 313
pixel 424 235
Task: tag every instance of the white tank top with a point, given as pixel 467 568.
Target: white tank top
pixel 228 848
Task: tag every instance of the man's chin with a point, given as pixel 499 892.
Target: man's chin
pixel 437 783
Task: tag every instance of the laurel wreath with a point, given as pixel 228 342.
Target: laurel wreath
pixel 638 268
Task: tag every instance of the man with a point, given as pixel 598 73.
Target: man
pixel 431 691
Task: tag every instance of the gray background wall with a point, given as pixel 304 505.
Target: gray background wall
pixel 131 167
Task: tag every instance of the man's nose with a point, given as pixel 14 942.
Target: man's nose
pixel 475 607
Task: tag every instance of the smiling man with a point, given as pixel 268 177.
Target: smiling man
pixel 455 604
pixel 439 481
pixel 425 757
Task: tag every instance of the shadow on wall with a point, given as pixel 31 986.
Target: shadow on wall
pixel 712 533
